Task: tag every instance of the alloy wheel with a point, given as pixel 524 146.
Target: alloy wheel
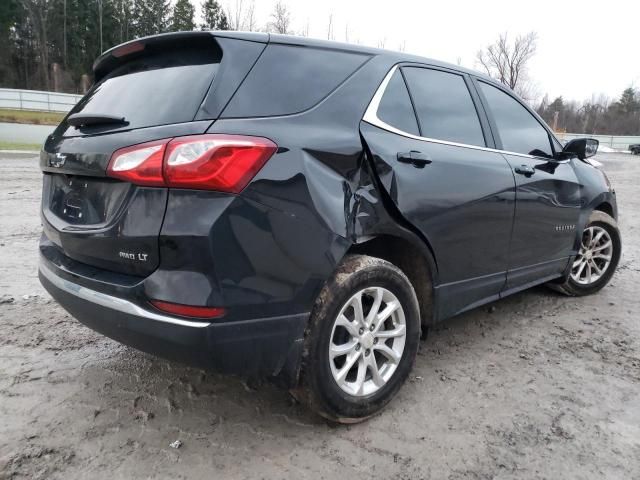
pixel 367 341
pixel 594 257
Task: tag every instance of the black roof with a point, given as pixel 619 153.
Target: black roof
pixel 105 59
pixel 350 47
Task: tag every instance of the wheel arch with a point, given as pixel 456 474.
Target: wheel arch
pixel 607 208
pixel 413 257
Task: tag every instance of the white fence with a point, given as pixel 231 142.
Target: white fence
pixel 37 100
pixel 617 142
pixel 63 102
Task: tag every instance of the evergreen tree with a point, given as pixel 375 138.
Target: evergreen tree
pixel 183 16
pixel 123 14
pixel 556 106
pixel 214 16
pixel 9 17
pixel 629 101
pixel 150 17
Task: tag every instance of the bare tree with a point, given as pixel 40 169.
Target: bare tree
pixel 305 30
pixel 330 27
pixel 592 112
pixel 235 15
pixel 507 62
pixel 280 18
pixel 250 23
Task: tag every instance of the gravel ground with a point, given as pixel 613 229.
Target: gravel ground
pixel 534 386
pixel 23 133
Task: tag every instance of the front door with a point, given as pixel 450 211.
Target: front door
pixel 547 192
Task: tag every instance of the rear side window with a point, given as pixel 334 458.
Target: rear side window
pixel 395 108
pixel 444 106
pixel 157 89
pixel 519 131
pixel 289 79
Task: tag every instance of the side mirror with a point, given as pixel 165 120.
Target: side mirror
pixel 581 147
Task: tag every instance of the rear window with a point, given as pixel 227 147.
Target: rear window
pixel 444 106
pixel 289 79
pixel 158 89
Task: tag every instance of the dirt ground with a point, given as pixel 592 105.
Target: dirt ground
pixel 534 386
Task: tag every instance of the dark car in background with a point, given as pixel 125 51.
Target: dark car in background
pixel 276 206
pixel 635 149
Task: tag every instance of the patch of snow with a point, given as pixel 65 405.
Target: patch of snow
pixel 605 149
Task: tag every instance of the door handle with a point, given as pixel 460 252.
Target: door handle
pixel 417 159
pixel 525 170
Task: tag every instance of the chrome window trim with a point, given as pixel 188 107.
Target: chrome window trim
pixel 111 302
pixel 371 117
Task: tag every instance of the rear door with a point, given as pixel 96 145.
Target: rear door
pixel 547 191
pixel 163 87
pixel 443 179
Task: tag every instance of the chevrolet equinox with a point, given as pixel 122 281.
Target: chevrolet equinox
pixel 282 207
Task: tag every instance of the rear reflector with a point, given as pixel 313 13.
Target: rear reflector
pixel 188 310
pixel 224 163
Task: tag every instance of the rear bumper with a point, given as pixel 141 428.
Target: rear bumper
pixel 257 347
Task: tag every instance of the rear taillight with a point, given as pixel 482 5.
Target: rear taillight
pixel 140 164
pixel 211 162
pixel 215 162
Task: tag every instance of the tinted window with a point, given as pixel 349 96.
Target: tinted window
pixel 395 107
pixel 289 79
pixel 444 106
pixel 519 130
pixel 156 89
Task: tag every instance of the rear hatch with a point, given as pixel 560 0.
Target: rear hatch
pixel 149 89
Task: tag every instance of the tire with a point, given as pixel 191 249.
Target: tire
pixel 353 397
pixel 598 221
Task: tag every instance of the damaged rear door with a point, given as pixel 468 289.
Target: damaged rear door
pixel 429 147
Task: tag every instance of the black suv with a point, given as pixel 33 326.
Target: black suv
pixel 277 206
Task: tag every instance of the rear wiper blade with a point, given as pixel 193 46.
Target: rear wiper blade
pixel 87 119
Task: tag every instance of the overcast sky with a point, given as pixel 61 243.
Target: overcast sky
pixel 584 47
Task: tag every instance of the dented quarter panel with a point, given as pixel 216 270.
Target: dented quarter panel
pixel 313 195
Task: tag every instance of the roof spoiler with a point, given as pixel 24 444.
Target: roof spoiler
pixel 117 55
